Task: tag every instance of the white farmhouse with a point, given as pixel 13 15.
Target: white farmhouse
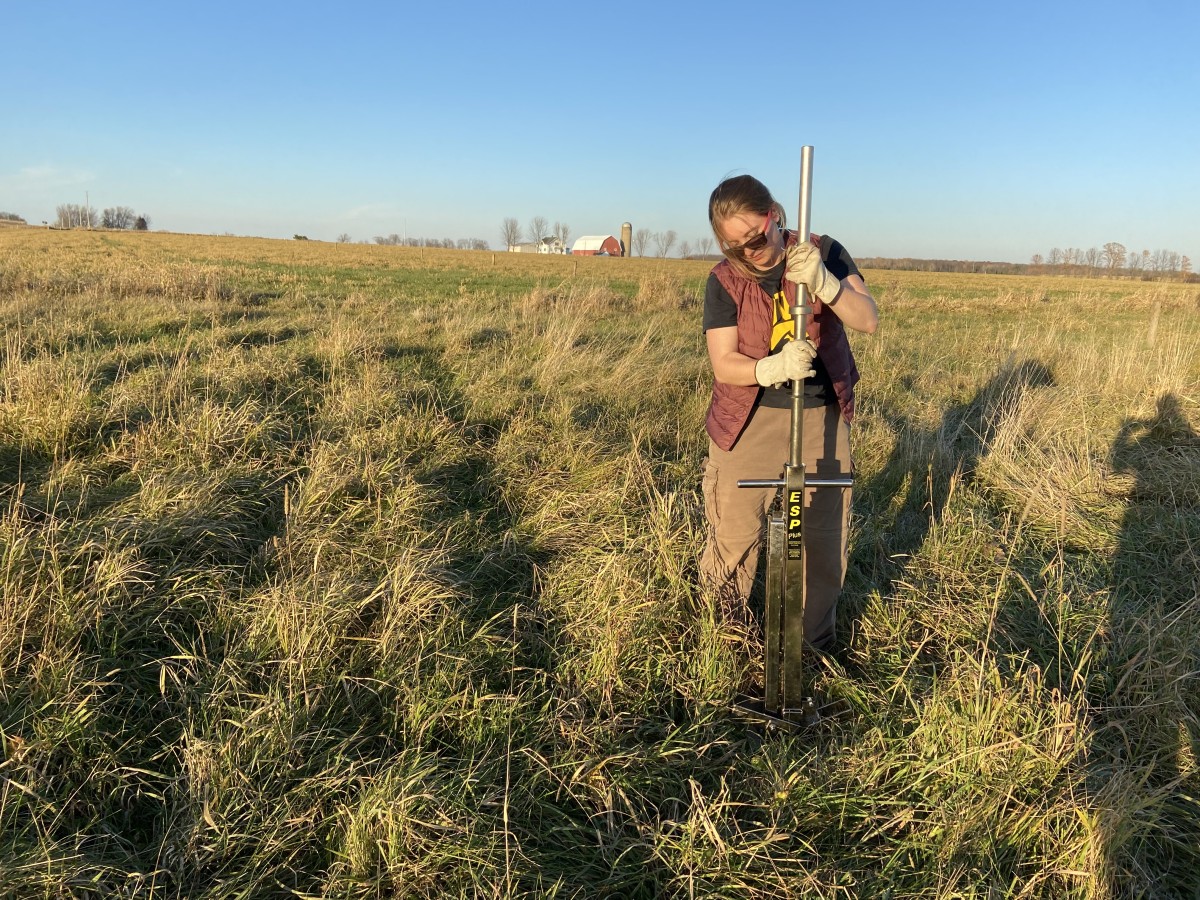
pixel 545 245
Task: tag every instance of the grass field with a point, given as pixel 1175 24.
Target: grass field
pixel 347 571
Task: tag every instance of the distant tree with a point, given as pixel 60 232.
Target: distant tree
pixel 1036 259
pixel 537 229
pixel 117 217
pixel 1168 261
pixel 562 231
pixel 11 217
pixel 663 242
pixel 343 238
pixel 510 233
pixel 1056 256
pixel 1091 258
pixel 704 245
pixel 299 237
pixel 1185 265
pixel 75 215
pixel 142 223
pixel 685 249
pixel 641 239
pixel 1114 255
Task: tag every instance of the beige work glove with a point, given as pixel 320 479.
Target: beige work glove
pixel 792 362
pixel 804 266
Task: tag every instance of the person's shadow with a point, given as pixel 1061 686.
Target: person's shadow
pixel 1146 739
pixel 908 496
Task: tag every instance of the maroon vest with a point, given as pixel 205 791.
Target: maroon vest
pixel 732 404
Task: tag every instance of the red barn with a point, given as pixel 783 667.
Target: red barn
pixel 597 245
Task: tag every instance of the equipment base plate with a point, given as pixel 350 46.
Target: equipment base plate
pixel 819 713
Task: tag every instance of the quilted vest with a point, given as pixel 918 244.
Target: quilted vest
pixel 732 404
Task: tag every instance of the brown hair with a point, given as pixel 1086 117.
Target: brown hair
pixel 741 194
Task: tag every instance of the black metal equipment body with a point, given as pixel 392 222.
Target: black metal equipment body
pixel 786 700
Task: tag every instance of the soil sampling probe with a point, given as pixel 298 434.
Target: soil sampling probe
pixel 786 701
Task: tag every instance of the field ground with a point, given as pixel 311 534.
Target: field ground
pixel 347 571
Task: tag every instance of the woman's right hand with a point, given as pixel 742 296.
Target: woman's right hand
pixel 805 266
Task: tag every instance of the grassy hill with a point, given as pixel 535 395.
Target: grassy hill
pixel 346 571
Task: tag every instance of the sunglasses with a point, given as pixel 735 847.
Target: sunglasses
pixel 755 243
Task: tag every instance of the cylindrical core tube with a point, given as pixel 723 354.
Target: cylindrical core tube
pixel 800 310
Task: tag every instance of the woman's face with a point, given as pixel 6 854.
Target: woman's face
pixel 751 228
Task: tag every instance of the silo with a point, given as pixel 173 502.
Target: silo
pixel 626 238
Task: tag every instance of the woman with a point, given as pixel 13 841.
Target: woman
pixel 751 343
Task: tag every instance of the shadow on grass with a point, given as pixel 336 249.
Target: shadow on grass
pixel 20 465
pixel 1128 660
pixel 124 662
pixel 494 563
pixel 122 575
pixel 923 467
pixel 1143 764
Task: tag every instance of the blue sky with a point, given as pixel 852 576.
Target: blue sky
pixel 948 130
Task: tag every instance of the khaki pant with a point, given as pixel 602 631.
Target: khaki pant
pixel 737 516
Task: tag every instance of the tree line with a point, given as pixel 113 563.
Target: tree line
pixel 395 240
pixel 1112 260
pixel 79 215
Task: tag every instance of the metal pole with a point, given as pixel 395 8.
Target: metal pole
pixel 801 310
pixel 795 703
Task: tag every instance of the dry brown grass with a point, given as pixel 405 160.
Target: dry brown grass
pixel 335 570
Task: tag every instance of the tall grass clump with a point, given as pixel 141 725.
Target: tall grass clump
pixel 344 571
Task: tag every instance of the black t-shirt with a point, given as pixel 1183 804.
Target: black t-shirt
pixel 720 311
